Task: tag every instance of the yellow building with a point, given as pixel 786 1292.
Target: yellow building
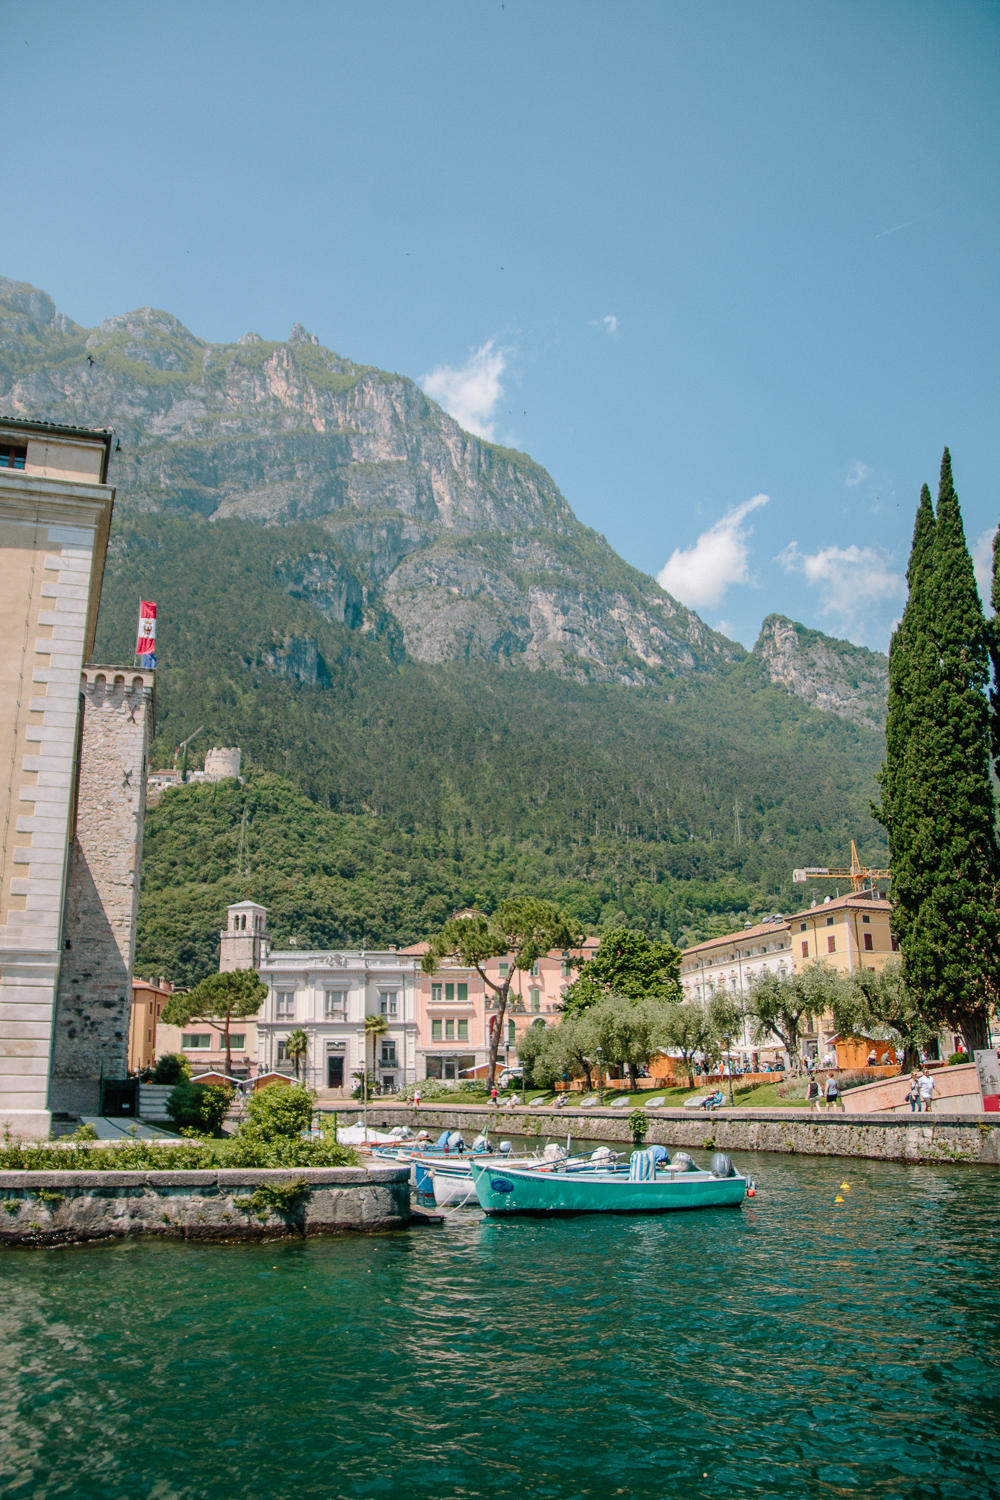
pixel 845 932
pixel 148 1000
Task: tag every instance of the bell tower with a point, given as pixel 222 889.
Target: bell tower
pixel 243 942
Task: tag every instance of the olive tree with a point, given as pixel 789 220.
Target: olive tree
pixel 883 1001
pixel 686 1029
pixel 780 1005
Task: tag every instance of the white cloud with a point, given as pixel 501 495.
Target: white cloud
pixel 982 561
pixel 856 473
pixel 854 583
pixel 701 574
pixel 609 323
pixel 471 392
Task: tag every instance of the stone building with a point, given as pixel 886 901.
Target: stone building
pixel 93 1012
pixel 72 781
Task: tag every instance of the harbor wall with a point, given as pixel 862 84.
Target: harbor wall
pixel 910 1138
pixel 59 1208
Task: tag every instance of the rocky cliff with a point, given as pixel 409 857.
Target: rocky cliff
pixel 448 547
pixel 830 674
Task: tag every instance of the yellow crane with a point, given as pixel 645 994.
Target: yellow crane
pixel 859 875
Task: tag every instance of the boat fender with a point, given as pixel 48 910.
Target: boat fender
pixel 683 1161
pixel 722 1166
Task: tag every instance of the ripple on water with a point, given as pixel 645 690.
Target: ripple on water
pixel 799 1347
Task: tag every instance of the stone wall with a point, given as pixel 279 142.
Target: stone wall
pixel 102 893
pixel 914 1138
pixel 53 1208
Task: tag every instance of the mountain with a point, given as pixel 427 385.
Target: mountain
pixel 834 675
pixel 467 548
pixel 410 632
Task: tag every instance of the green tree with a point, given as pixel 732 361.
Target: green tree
pixel 221 998
pixel 626 963
pixel 686 1029
pixel 937 797
pixel 199 1106
pixel 874 1001
pixel 566 1050
pixel 532 1044
pixel 994 643
pixel 780 1005
pixel 624 1029
pixel 279 1111
pixel 523 929
pixel 297 1048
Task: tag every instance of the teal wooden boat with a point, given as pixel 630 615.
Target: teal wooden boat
pixel 537 1190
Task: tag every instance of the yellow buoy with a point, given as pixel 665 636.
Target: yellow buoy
pixel 845 1187
pixel 838 1199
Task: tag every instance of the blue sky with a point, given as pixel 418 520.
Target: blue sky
pixel 685 255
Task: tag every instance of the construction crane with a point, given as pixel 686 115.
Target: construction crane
pixel 860 876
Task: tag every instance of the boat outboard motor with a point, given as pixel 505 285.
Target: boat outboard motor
pixel 683 1163
pixel 722 1166
pixel 659 1154
pixel 456 1141
pixel 481 1143
pixel 505 1148
pixel 442 1139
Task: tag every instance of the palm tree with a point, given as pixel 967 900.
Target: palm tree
pixel 375 1026
pixel 297 1049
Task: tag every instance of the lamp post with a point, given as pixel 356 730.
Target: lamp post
pixel 600 1080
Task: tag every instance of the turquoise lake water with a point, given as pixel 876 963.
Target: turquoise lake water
pixel 797 1347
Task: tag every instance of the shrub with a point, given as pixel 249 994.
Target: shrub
pixel 170 1069
pixel 186 1156
pixel 638 1124
pixel 956 1058
pixel 278 1111
pixel 201 1106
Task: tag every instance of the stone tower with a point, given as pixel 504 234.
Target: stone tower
pixel 94 1006
pixel 243 942
pixel 220 763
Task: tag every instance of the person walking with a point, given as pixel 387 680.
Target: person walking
pixel 832 1092
pixel 812 1093
pixel 926 1085
pixel 416 1096
pixel 913 1095
pixel 494 1095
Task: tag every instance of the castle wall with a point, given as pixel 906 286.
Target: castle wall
pixel 94 1004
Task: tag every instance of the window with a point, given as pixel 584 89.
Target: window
pixel 869 942
pixel 237 1041
pixel 803 927
pixel 388 1054
pixel 566 968
pixel 805 950
pixel 866 919
pixel 511 1033
pixel 535 999
pixel 503 969
pixel 435 994
pixel 449 1030
pixel 387 1002
pixel 831 945
pixel 536 969
pixel 282 1052
pixel 463 1031
pixel 435 1031
pixel 894 943
pixel 284 1006
pixel 449 992
pixel 334 1004
pixel 463 994
pixel 12 458
pixel 829 921
pixel 193 1041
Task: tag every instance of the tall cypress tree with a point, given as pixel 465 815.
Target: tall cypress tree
pixel 994 630
pixel 938 803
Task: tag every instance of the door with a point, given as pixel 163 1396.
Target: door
pixel 335 1072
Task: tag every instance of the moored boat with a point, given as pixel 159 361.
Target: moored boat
pixel 644 1187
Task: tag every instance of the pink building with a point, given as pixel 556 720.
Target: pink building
pixel 457 1013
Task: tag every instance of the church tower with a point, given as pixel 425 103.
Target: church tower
pixel 243 942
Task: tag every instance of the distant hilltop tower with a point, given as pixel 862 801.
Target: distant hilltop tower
pixel 222 762
pixel 243 942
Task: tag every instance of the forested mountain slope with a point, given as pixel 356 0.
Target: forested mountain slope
pixel 409 627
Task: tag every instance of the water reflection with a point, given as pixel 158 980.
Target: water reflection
pixel 799 1347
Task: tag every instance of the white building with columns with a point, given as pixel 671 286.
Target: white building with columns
pixel 328 996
